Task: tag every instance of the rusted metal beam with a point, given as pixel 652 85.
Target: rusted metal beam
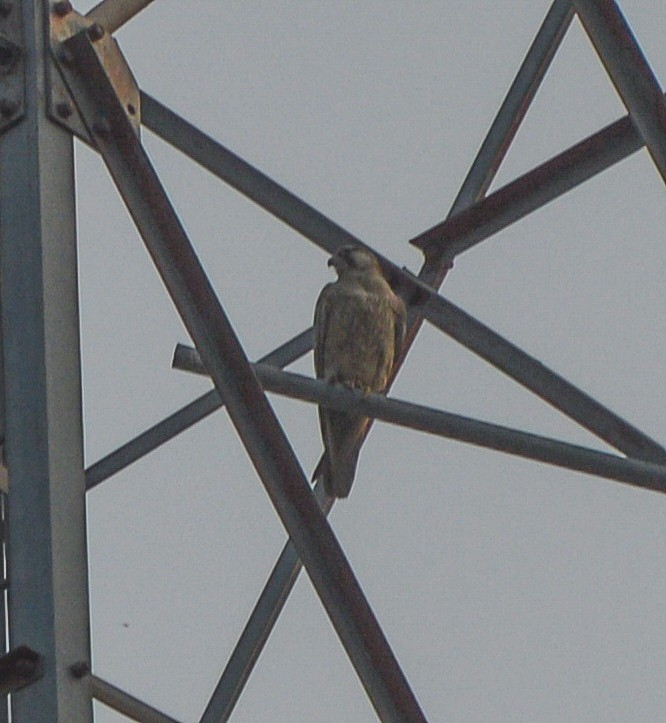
pixel 259 626
pixel 247 406
pixel 113 14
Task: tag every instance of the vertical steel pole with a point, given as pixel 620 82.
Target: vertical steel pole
pixel 48 596
pixel 4 702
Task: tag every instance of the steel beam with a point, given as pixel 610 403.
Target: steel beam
pixel 515 105
pixel 4 702
pixel 185 417
pixel 232 375
pixel 259 626
pixel 535 376
pixel 478 179
pixel 125 703
pixel 532 190
pixel 242 176
pixel 113 14
pixel 461 231
pixel 470 226
pixel 48 595
pixel 458 427
pixel 630 72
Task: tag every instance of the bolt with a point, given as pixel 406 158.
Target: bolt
pixel 5 8
pixel 25 668
pixel 63 109
pixel 8 107
pixel 62 8
pixel 95 32
pixel 80 669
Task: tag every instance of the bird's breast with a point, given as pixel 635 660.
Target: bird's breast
pixel 359 340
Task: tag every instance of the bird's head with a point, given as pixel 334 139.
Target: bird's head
pixel 353 258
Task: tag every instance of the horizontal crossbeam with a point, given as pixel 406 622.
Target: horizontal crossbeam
pixel 455 426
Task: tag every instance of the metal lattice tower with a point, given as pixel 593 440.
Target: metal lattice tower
pixel 63 75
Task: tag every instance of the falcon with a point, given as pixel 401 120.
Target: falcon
pixel 359 329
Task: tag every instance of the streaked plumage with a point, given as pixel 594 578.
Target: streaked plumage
pixel 359 329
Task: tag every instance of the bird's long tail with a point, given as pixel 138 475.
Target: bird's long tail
pixel 337 466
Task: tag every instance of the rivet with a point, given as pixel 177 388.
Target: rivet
pixel 25 668
pixel 95 32
pixel 62 8
pixel 63 109
pixel 80 669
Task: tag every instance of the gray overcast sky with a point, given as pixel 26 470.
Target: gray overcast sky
pixel 509 590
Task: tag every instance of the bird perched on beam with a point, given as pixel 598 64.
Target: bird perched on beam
pixel 359 329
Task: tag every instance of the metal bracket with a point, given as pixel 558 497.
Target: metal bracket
pixel 64 22
pixel 12 93
pixel 18 668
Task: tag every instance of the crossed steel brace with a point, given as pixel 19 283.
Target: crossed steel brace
pixel 109 123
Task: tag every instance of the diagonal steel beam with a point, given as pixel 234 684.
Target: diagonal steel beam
pixel 242 176
pixel 113 14
pixel 531 191
pixel 125 703
pixel 252 416
pixel 630 72
pixel 515 105
pixel 461 231
pixel 480 176
pixel 185 417
pixel 535 376
pixel 258 628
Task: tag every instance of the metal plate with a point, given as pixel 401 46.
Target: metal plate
pixel 64 23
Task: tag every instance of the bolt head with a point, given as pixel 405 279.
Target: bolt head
pixel 8 107
pixel 95 32
pixel 25 668
pixel 80 669
pixel 63 109
pixel 62 8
